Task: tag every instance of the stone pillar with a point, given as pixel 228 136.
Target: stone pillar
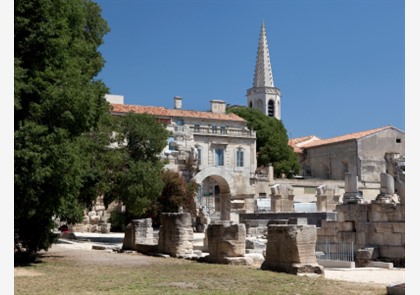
pixel 225 206
pixel 225 240
pixel 387 189
pixel 138 231
pixel 291 249
pixel 352 193
pixel 282 198
pixel 176 234
pixel 249 203
pixel 327 198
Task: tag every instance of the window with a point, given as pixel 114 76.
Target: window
pixel 197 128
pixel 398 140
pixel 198 155
pixel 214 129
pixel 219 153
pixel 223 130
pixel 180 122
pixel 240 157
pixel 250 104
pixel 171 144
pixel 271 108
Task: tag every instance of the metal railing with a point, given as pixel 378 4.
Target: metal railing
pixel 335 251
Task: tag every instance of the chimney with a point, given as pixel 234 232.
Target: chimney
pixel 218 106
pixel 178 103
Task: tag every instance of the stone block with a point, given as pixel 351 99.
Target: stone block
pixel 398 227
pixel 352 212
pixel 346 226
pixel 363 226
pixel 382 227
pixel 176 234
pixel 225 239
pixel 361 238
pixel 392 252
pixel 346 237
pixel 386 212
pixel 291 249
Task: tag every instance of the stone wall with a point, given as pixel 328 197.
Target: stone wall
pixel 377 225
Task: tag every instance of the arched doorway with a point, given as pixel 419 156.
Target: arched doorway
pixel 217 186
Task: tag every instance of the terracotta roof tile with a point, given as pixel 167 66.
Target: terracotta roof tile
pixel 164 112
pixel 345 137
pixel 296 143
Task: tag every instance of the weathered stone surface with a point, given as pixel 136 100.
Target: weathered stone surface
pixel 387 212
pixel 226 239
pixel 176 234
pixel 291 249
pixel 365 255
pixel 138 231
pixel 352 212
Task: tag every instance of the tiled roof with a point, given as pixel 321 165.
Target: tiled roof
pixel 164 112
pixel 296 143
pixel 299 143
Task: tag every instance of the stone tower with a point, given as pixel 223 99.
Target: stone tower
pixel 263 95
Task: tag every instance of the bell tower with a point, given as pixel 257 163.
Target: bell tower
pixel 263 95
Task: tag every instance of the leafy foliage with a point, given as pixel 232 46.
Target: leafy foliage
pixel 272 141
pixel 57 101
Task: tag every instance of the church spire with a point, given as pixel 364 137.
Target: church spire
pixel 263 76
pixel 263 95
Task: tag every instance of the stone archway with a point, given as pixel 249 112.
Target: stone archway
pixel 226 184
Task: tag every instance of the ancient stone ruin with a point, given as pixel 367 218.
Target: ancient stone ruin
pixel 176 234
pixel 327 198
pixel 138 231
pixel 226 241
pixel 282 198
pixel 352 193
pixel 291 249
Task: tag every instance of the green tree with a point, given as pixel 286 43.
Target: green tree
pixel 133 167
pixel 176 193
pixel 57 101
pixel 272 141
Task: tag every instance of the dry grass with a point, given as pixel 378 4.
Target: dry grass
pixel 97 272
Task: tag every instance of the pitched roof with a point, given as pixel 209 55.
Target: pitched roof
pixel 296 143
pixel 299 143
pixel 164 112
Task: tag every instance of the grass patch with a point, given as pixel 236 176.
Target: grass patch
pixel 121 274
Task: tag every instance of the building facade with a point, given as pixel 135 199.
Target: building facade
pixel 362 153
pixel 215 148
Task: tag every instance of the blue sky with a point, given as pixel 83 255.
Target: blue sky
pixel 339 64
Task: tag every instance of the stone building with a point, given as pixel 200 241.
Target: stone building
pixel 362 153
pixel 215 148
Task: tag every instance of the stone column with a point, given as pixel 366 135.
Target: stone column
pixel 291 249
pixel 225 206
pixel 282 198
pixel 176 234
pixel 327 198
pixel 352 193
pixel 225 240
pixel 138 231
pixel 387 189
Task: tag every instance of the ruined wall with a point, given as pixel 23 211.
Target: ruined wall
pixel 377 225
